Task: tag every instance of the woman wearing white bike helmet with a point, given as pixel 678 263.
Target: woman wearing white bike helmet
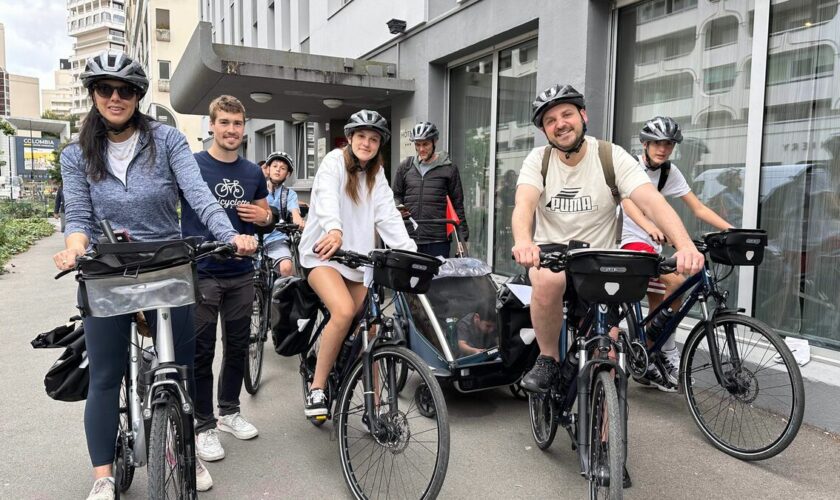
pixel 351 204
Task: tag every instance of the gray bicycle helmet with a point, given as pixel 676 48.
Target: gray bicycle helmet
pixel 552 96
pixel 367 120
pixel 423 131
pixel 115 66
pixel 661 128
pixel 281 155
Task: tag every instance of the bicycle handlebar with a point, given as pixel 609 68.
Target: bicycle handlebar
pixel 287 228
pixel 351 259
pixel 556 262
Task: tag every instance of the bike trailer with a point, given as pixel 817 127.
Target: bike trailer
pixel 124 278
pixel 294 306
pixel 737 247
pixel 611 276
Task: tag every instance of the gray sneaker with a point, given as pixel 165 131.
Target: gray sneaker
pixel 654 378
pixel 669 364
pixel 103 489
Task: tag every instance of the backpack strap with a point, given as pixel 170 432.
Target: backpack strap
pixel 546 157
pixel 606 157
pixel 663 176
pixel 284 196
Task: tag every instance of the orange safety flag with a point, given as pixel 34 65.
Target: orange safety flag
pixel 451 215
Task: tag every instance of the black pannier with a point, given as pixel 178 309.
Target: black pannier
pixel 69 377
pixel 404 271
pixel 294 308
pixel 611 276
pixel 517 350
pixel 737 247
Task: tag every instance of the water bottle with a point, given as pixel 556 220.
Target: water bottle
pixel 658 322
pixel 569 368
pixel 346 347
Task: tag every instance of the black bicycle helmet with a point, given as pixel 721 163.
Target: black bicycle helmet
pixel 281 155
pixel 552 96
pixel 115 66
pixel 661 128
pixel 423 131
pixel 369 120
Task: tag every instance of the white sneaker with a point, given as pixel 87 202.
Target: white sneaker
pixel 237 425
pixel 208 447
pixel 103 489
pixel 203 481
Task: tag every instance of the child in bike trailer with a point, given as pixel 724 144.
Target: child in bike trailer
pixel 351 203
pixel 284 199
pixel 123 158
pixel 659 137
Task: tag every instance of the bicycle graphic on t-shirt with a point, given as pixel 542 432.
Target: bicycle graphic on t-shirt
pixel 229 188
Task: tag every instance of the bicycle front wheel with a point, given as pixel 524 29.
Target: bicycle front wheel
pixel 256 343
pixel 171 468
pixel 754 411
pixel 123 467
pixel 405 454
pixel 606 446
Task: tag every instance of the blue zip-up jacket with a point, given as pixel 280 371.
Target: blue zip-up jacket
pixel 145 205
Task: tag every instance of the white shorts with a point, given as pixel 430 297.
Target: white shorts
pixel 278 250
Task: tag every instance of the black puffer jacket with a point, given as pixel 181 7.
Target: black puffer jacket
pixel 425 196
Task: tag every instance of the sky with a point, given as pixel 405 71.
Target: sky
pixel 36 37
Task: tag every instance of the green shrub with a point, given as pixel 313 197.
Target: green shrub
pixel 21 209
pixel 16 235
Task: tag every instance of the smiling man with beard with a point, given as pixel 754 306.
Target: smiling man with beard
pixel 228 286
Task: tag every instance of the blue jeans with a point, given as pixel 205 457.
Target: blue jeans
pixel 436 249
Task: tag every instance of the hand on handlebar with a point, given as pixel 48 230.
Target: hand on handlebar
pixel 329 244
pixel 66 259
pixel 245 244
pixel 526 254
pixel 689 260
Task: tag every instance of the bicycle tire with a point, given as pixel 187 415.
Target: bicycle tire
pixel 256 343
pixel 542 410
pixel 606 456
pixel 123 468
pixel 717 410
pixel 389 450
pixel 169 465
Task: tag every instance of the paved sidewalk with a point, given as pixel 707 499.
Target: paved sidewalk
pixel 492 452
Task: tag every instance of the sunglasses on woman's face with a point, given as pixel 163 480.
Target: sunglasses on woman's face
pixel 105 91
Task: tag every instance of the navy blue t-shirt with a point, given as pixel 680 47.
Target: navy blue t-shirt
pixel 232 184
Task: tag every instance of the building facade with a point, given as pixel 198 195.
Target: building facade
pixel 753 83
pixel 4 77
pixel 59 99
pixel 96 25
pixel 157 32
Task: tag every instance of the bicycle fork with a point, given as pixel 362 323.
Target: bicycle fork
pixel 135 405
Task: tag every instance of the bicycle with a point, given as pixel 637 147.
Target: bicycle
pixel 264 276
pixel 730 372
pixel 590 376
pixel 156 422
pixel 383 446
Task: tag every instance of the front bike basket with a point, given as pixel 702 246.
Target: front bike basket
pixel 404 271
pixel 611 276
pixel 125 278
pixel 737 247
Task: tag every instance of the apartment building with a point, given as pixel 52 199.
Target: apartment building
pixel 753 83
pixel 59 99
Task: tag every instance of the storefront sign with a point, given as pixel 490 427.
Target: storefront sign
pixel 34 156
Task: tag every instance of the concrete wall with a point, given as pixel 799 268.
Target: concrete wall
pixel 24 96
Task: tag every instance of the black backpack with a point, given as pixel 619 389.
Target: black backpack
pixel 294 309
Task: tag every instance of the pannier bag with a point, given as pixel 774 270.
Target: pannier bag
pixel 404 271
pixel 737 247
pixel 517 348
pixel 130 277
pixel 294 307
pixel 69 377
pixel 611 276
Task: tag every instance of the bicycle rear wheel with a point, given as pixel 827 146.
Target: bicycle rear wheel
pixel 756 411
pixel 543 412
pixel 256 342
pixel 171 468
pixel 408 457
pixel 606 446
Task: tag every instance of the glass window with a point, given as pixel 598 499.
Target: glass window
pixel 162 19
pixel 664 88
pixel 655 9
pixel 719 78
pixel 666 47
pixel 721 31
pixel 163 70
pixel 799 205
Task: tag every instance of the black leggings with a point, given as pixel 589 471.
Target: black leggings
pixel 107 341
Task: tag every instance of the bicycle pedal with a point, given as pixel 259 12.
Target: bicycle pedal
pixel 321 418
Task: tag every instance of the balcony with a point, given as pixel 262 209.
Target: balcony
pixel 163 85
pixel 162 35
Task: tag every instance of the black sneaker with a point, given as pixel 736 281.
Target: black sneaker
pixel 542 376
pixel 654 378
pixel 316 403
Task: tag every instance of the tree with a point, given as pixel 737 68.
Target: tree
pixel 52 115
pixel 7 127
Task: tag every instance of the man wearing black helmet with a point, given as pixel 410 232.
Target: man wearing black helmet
pixel 421 186
pixel 571 199
pixel 659 136
pixel 285 200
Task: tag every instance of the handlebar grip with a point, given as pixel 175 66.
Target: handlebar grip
pixel 108 231
pixel 668 266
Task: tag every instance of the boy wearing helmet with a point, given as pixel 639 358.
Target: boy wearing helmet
pixel 573 202
pixel 659 136
pixel 285 200
pixel 422 184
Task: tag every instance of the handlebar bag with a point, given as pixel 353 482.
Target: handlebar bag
pixel 404 271
pixel 737 247
pixel 611 276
